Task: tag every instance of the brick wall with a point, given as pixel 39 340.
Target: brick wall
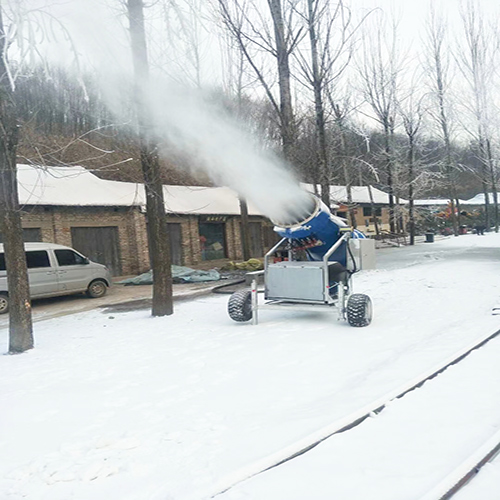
pixel 191 252
pixel 235 250
pixel 56 223
pixel 233 239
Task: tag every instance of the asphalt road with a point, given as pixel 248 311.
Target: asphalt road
pixel 118 298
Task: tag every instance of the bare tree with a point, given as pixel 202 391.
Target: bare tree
pixel 278 40
pixel 476 61
pixel 340 114
pixel 411 112
pixel 379 71
pixel 438 71
pixel 20 322
pixel 155 207
pixel 331 30
pixel 186 41
pixel 283 48
pixel 235 82
pixel 373 173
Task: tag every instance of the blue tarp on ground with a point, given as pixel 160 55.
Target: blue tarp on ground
pixel 180 274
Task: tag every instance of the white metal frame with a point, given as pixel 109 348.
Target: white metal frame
pixel 338 303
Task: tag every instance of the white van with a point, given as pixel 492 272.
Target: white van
pixel 56 270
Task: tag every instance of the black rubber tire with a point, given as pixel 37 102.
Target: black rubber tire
pixel 239 306
pixel 359 310
pixel 97 289
pixel 4 303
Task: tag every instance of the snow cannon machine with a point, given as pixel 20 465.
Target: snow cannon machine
pixel 311 267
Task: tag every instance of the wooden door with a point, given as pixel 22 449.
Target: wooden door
pixel 255 229
pixel 175 237
pixel 100 244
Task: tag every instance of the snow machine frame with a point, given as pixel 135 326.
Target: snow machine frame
pixel 304 285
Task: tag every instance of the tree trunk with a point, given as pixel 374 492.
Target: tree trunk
pixel 493 185
pixel 317 84
pixel 282 55
pixel 374 210
pixel 439 74
pixel 20 322
pixel 347 176
pixel 451 182
pixel 155 207
pixel 245 233
pixel 484 183
pixel 411 174
pixel 390 184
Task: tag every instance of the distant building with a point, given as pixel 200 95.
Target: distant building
pixel 479 199
pixel 366 208
pixel 105 220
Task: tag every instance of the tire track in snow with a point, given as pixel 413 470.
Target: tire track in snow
pixel 351 421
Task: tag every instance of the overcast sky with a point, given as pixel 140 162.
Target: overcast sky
pixel 97 26
pixel 413 13
pixel 98 29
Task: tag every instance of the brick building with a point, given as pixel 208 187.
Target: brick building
pixel 105 220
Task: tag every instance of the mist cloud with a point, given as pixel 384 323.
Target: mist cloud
pixel 180 117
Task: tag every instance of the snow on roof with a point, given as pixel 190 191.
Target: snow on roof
pixel 203 200
pixel 70 186
pixel 431 202
pixel 77 186
pixel 479 199
pixel 359 194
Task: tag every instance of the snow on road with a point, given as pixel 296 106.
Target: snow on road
pixel 403 452
pixel 127 406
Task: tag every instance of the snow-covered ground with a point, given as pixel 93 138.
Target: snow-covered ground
pixel 127 406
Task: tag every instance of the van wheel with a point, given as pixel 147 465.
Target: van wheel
pixel 96 289
pixel 4 303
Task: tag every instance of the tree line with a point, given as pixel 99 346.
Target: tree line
pixel 330 88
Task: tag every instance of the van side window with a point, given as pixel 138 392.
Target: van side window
pixel 68 258
pixel 2 262
pixel 38 258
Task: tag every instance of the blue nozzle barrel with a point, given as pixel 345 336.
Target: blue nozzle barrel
pixel 316 233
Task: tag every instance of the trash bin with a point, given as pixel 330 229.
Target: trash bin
pixel 429 237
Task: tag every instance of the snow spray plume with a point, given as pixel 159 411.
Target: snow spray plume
pixel 183 120
pixel 227 153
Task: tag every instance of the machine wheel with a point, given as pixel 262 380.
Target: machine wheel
pixel 4 303
pixel 359 310
pixel 239 306
pixel 96 289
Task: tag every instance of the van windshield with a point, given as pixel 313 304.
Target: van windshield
pixel 68 258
